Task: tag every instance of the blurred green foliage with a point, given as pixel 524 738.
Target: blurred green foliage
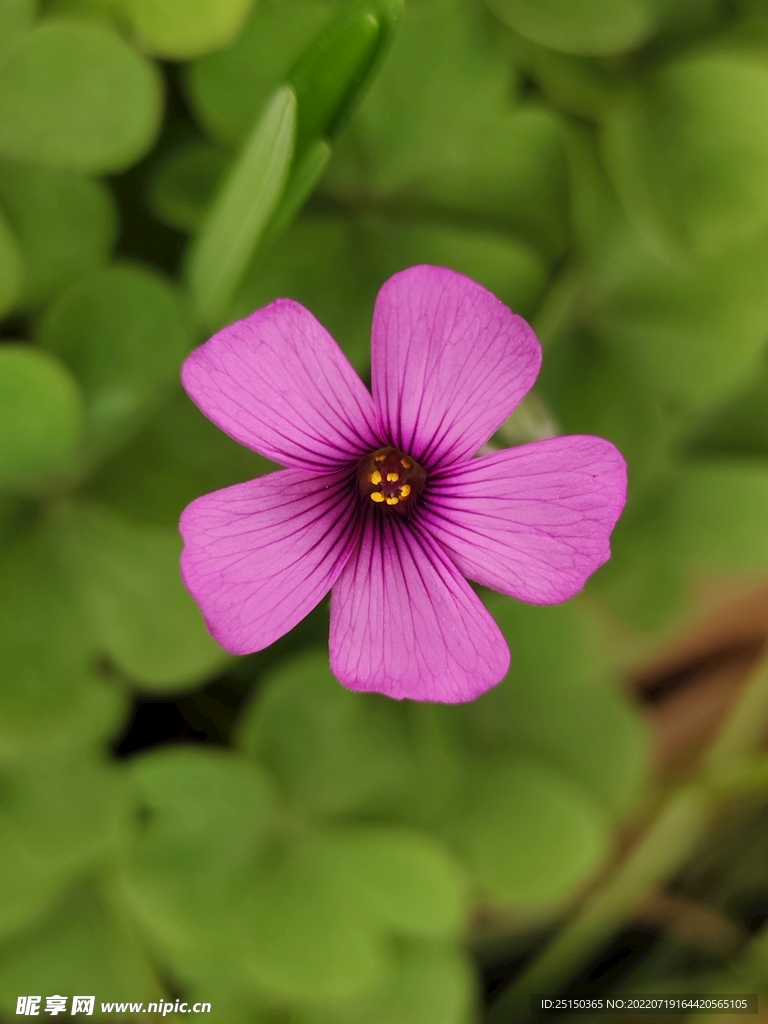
pixel 603 168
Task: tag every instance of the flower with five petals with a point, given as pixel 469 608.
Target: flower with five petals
pixel 383 500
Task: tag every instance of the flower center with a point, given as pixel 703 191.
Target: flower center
pixel 390 478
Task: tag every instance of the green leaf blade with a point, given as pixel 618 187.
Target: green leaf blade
pixel 687 151
pixel 405 879
pixel 12 269
pixel 143 618
pixel 528 835
pixel 242 209
pixel 123 333
pixel 579 26
pixel 73 94
pixel 41 418
pixel 332 752
pixel 181 29
pixel 65 224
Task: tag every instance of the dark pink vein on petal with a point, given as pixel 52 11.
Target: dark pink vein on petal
pixel 450 362
pixel 405 623
pixel 533 522
pixel 260 555
pixel 278 383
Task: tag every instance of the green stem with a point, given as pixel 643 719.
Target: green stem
pixel 555 313
pixel 749 777
pixel 665 846
pixel 741 735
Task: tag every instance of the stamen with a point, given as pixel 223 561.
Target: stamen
pixel 390 477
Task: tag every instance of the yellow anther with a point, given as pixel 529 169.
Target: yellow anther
pixel 392 477
pixel 377 496
pixel 391 501
pixel 405 490
pixel 379 458
pixel 405 463
pixel 375 477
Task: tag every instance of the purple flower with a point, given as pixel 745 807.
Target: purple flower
pixel 382 499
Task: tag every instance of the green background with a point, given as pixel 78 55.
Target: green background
pixel 167 166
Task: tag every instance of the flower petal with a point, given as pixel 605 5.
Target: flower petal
pixel 450 362
pixel 260 555
pixel 405 623
pixel 533 522
pixel 277 382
